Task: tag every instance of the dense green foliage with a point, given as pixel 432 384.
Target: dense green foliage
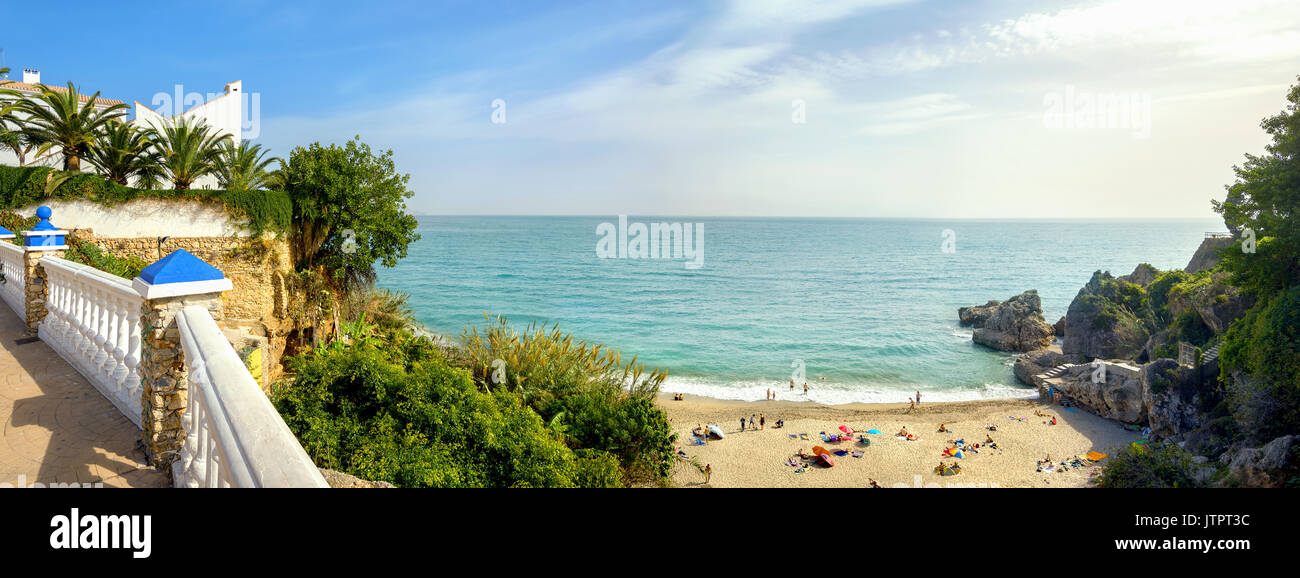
pixel 1264 201
pixel 349 211
pixel 1265 344
pixel 86 253
pixel 599 401
pixel 25 186
pixel 400 412
pixel 1146 466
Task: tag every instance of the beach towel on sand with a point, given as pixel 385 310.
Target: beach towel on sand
pixel 858 453
pixel 803 436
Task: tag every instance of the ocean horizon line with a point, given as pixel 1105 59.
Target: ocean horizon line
pixel 1215 218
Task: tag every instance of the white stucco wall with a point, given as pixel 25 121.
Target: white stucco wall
pixel 143 218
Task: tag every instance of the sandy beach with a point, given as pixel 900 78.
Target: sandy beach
pixel 757 458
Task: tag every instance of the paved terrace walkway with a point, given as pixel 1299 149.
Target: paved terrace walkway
pixel 58 429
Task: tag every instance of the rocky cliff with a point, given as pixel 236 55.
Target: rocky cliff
pixel 1014 325
pixel 1207 255
pixel 1099 322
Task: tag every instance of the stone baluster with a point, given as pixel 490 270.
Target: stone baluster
pixel 132 360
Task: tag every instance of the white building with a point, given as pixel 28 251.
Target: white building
pixel 223 112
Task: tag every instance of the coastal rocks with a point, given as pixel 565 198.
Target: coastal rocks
pixel 1143 275
pixel 1207 255
pixel 1014 325
pixel 976 315
pixel 1215 301
pixel 1059 327
pixel 1267 466
pixel 1100 323
pixel 1172 397
pixel 342 480
pixel 1114 394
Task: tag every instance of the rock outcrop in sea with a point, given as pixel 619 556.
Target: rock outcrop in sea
pixel 1014 325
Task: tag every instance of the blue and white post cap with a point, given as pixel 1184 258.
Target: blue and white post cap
pixel 179 274
pixel 6 233
pixel 44 236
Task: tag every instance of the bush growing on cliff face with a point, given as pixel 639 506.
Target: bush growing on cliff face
pixel 404 415
pixel 1144 466
pixel 1265 344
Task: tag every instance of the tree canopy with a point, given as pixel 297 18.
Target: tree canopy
pixel 350 210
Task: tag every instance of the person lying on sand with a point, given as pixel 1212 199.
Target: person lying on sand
pixel 873 483
pixel 780 423
pixel 943 428
pixel 990 427
pixel 903 432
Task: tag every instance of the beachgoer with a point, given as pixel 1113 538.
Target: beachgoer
pixel 708 472
pixel 762 421
pixel 751 421
pixel 943 428
pixel 918 397
pixel 780 423
pixel 805 388
pixel 742 423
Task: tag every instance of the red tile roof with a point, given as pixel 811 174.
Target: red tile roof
pixel 23 86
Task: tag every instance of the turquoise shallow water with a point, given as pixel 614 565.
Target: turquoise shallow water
pixel 868 306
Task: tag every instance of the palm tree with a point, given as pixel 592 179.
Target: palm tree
pixel 61 119
pixel 188 150
pixel 122 151
pixel 243 167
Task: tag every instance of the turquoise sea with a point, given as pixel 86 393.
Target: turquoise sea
pixel 868 306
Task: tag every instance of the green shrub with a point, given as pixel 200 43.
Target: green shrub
pixel 1146 466
pixel 407 416
pixel 1265 344
pixel 86 253
pixel 600 402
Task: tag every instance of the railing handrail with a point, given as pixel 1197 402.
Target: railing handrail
pixel 11 248
pixel 256 447
pixel 108 280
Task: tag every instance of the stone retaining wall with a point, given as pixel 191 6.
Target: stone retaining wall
pixel 256 317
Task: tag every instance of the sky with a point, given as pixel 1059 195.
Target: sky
pixel 842 108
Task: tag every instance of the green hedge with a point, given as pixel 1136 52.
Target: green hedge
pixel 24 186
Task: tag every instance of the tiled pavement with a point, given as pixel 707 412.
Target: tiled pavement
pixel 57 428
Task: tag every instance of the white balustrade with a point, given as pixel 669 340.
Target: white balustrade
pixel 92 321
pixel 234 436
pixel 13 290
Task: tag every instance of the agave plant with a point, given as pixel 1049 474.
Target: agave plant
pixel 123 151
pixel 59 119
pixel 243 167
pixel 187 150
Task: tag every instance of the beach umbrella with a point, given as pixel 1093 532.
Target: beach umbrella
pixel 873 431
pixel 846 429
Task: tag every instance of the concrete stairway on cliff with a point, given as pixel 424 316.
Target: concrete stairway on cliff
pixel 1211 354
pixel 1058 370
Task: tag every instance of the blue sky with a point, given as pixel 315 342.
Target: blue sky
pixel 910 108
